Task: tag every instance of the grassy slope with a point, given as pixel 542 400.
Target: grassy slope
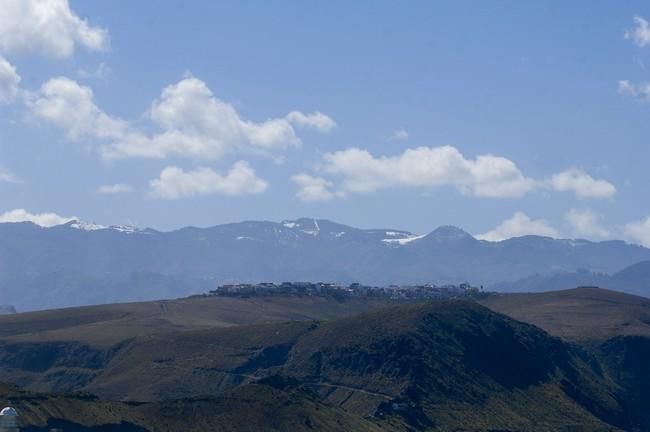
pixel 615 327
pixel 447 366
pixel 581 314
pixel 106 325
pixel 451 364
pixel 462 365
pixel 248 408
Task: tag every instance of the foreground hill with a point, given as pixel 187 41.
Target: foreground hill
pixel 250 408
pixel 615 326
pixel 77 264
pixel 448 365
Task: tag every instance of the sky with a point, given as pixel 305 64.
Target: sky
pixel 504 118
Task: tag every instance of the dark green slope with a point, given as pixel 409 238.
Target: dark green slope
pixel 250 408
pixel 456 364
pixel 613 325
pixel 627 361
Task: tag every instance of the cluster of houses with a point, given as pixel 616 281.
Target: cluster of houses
pixel 324 289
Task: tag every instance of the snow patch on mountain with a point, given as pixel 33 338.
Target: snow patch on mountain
pixel 87 226
pixel 127 229
pixel 403 241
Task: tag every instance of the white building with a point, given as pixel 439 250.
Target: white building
pixel 9 420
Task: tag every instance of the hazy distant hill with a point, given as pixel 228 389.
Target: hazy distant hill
pixel 5 310
pixel 77 264
pixel 634 279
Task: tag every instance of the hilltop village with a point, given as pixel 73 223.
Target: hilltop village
pixel 324 289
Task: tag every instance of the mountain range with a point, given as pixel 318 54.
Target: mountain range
pixel 79 264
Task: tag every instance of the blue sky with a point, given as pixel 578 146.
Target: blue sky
pixel 504 118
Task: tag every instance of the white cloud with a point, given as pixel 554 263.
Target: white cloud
pixel 192 122
pixel 9 81
pixel 189 108
pixel 519 225
pixel 317 120
pixel 486 176
pixel 313 189
pixel 114 189
pixel 399 135
pixel 582 184
pixel 42 219
pixel 174 183
pixel 586 223
pixel 48 27
pixel 641 33
pixel 70 106
pixel 639 91
pixel 638 232
pixel 6 177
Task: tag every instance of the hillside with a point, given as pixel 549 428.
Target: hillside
pixel 580 314
pixel 614 326
pixel 446 365
pixel 249 408
pixel 107 325
pixel 70 265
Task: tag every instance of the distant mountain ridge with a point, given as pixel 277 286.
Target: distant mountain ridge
pixel 78 263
